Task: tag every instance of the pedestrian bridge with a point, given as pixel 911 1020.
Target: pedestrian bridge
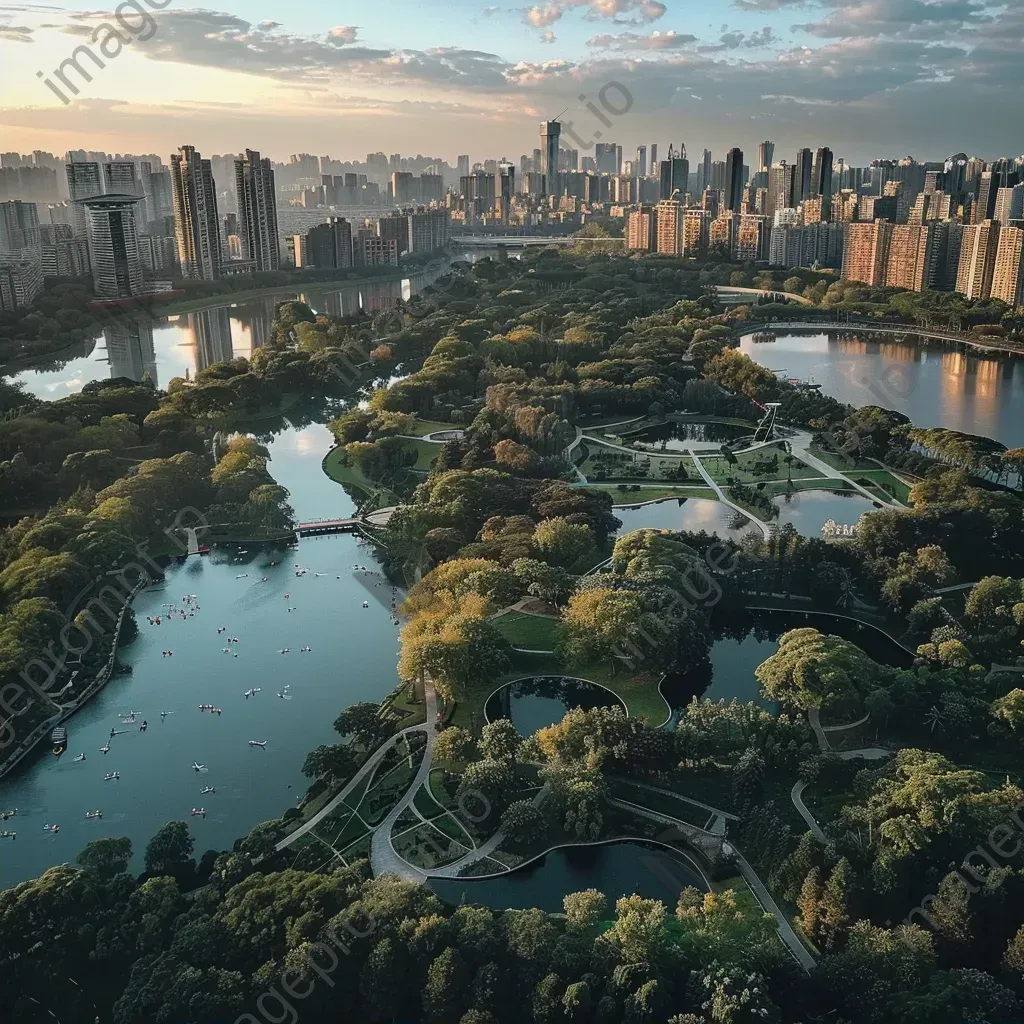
pixel 312 527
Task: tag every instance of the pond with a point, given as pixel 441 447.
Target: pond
pixel 673 436
pixel 532 704
pixel 808 511
pixel 745 639
pixel 622 868
pixel 690 514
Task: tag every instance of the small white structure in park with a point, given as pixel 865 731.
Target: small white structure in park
pixel 834 529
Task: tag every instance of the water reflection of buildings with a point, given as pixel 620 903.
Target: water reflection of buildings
pixel 211 335
pixel 130 350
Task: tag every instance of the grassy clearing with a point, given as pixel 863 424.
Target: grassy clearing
pixel 651 493
pixel 777 487
pixel 533 632
pixel 349 476
pixel 843 462
pixel 411 707
pixel 674 807
pixel 891 486
pixel 426 452
pixel 743 471
pixel 422 427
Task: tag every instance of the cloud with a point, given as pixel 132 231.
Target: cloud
pixel 343 34
pixel 916 19
pixel 669 40
pixel 488 11
pixel 635 11
pixel 767 5
pixel 735 40
pixel 547 36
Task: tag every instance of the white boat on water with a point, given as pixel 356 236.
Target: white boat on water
pixel 111 775
pixel 197 767
pixel 257 743
pixel 8 835
pixel 207 789
pixel 51 828
pixel 80 757
pixel 105 749
pixel 89 815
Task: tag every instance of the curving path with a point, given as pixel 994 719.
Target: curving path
pixel 371 763
pixel 383 858
pixel 812 823
pixel 766 530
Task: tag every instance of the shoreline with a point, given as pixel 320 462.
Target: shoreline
pixel 103 677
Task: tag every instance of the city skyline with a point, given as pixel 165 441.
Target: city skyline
pixel 867 79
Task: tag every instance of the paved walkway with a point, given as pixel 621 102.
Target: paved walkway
pixel 370 764
pixel 383 858
pixel 800 445
pixel 812 823
pixel 765 529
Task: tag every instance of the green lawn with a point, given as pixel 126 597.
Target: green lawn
pixel 334 466
pixel 742 471
pixel 884 481
pixel 532 632
pixel 652 493
pixel 426 452
pixel 422 427
pixel 844 462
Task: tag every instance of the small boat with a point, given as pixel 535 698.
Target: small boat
pixel 243 576
pixel 59 739
pixel 198 812
pixel 8 835
pixel 105 749
pixel 80 757
pixel 111 775
pixel 197 767
pixel 366 604
pixel 263 579
pixel 284 696
pixel 89 815
pixel 208 789
pixel 257 743
pixel 164 714
pixel 4 815
pixel 51 828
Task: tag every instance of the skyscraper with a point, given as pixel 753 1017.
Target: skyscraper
pixel 985 201
pixel 463 165
pixel 194 196
pixel 114 245
pixel 705 171
pixel 821 180
pixel 654 157
pixel 802 177
pixel 640 167
pixel 1009 204
pixel 734 179
pixel 910 257
pixel 257 211
pixel 121 177
pixel 84 182
pixel 669 227
pixel 765 155
pixel 549 134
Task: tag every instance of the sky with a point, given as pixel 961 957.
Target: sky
pixel 869 78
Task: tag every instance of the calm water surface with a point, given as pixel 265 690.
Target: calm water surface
pixel 934 386
pixel 532 704
pixel 616 869
pixel 808 511
pixel 692 514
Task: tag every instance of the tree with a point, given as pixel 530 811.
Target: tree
pixel 107 857
pixel 335 760
pixel 500 740
pixel 1013 958
pixel 638 933
pixel 584 909
pixel 444 994
pixel 494 779
pixel 811 670
pixel 808 901
pixel 455 744
pixel 524 822
pixel 1010 710
pixel 170 849
pixel 563 542
pixel 368 723
pixel 834 908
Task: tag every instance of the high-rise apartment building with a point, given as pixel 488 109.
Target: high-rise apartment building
pixel 463 165
pixel 257 211
pixel 84 182
pixel 985 200
pixel 122 178
pixel 114 245
pixel 640 164
pixel 1008 275
pixel 427 230
pixel 669 227
pixel 978 259
pixel 196 231
pixel 675 174
pixel 1009 204
pixel 401 187
pixel 753 238
pixel 733 183
pixel 326 245
pixel 642 229
pixel 866 251
pixel 910 263
pixel 696 231
pixel 549 135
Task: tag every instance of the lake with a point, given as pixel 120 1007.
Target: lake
pixel 673 437
pixel 622 868
pixel 935 386
pixel 807 511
